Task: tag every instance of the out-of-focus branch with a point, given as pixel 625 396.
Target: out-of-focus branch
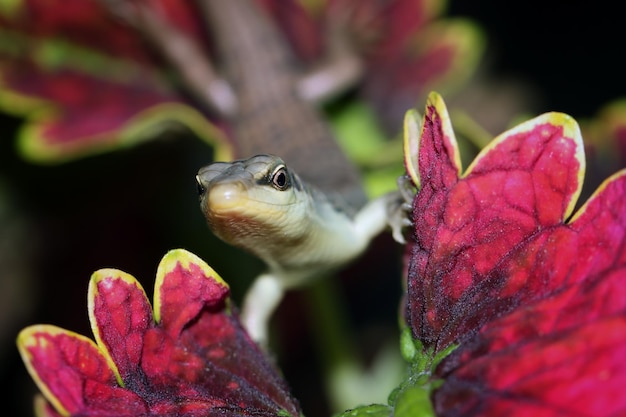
pixel 182 52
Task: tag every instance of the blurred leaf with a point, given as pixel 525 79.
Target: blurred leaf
pixel 408 46
pixel 360 136
pixel 87 84
pixel 375 410
pixel 441 56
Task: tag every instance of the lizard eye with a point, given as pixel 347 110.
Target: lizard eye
pixel 280 178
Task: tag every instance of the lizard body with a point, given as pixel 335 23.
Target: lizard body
pixel 304 214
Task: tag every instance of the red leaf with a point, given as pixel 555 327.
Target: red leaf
pixel 103 88
pixel 87 23
pixel 563 355
pixel 87 83
pixel 301 27
pixel 407 47
pixel 81 20
pixel 535 299
pixel 485 241
pixel 375 27
pixel 120 315
pixel 73 374
pixel 195 359
pixel 77 96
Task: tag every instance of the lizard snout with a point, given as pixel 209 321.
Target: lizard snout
pixel 225 196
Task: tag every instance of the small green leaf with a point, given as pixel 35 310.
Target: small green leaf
pixel 441 355
pixel 408 347
pixel 374 410
pixel 414 401
pixel 356 128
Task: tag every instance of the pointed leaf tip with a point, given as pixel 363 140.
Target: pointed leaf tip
pixel 467 263
pixel 181 265
pixel 197 360
pixel 120 314
pixel 28 343
pixel 64 365
pixel 186 259
pixel 412 131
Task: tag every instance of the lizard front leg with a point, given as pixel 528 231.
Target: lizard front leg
pixel 259 303
pixel 267 291
pixel 388 211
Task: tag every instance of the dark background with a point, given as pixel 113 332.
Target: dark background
pixel 127 208
pixel 572 52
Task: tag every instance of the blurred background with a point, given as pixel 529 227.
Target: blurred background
pixel 125 209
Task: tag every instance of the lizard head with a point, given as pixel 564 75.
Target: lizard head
pixel 253 201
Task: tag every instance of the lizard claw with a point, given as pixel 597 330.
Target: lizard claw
pixel 399 209
pixel 407 190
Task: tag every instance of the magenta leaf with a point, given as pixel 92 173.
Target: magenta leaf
pixel 87 83
pixel 191 357
pixel 532 295
pixel 481 236
pixel 409 47
pixel 563 355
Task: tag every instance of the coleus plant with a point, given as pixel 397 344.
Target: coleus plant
pixel 515 304
pixel 186 355
pixel 88 83
pixel 532 294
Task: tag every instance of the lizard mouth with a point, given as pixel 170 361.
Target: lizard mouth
pixel 237 217
pixel 237 196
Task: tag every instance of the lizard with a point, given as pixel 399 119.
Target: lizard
pixel 304 213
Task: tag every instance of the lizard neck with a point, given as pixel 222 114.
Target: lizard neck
pixel 271 117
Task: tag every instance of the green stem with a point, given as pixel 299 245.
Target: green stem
pixel 330 328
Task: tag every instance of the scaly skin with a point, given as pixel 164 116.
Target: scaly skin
pixel 262 206
pixel 270 117
pixel 302 225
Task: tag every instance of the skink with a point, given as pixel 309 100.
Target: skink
pixel 304 213
pixel 262 206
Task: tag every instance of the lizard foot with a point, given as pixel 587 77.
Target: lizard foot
pixel 400 208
